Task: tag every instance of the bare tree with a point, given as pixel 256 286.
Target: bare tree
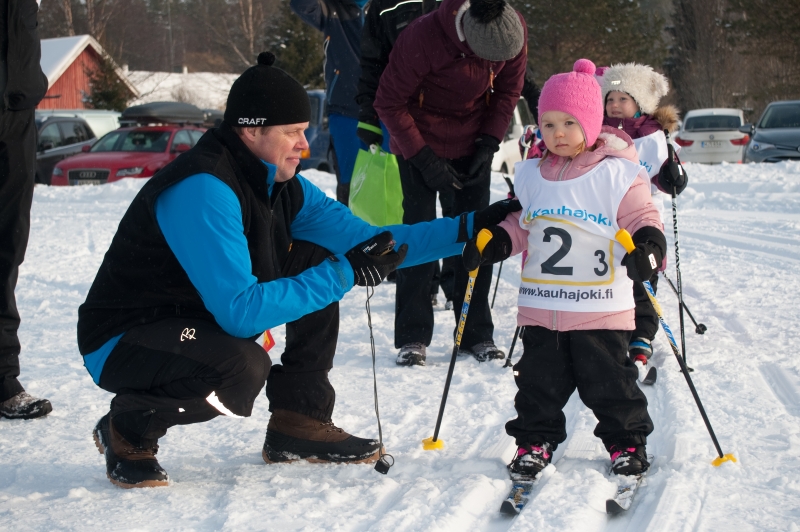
pixel 66 6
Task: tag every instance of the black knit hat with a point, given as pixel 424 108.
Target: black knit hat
pixel 265 95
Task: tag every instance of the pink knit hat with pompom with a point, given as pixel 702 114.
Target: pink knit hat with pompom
pixel 578 94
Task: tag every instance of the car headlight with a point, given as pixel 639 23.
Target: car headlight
pixel 125 172
pixel 760 146
pixel 58 171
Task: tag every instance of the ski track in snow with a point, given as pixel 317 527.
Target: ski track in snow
pixel 740 251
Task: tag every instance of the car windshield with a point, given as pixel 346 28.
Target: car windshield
pixel 781 116
pixel 150 141
pixel 712 123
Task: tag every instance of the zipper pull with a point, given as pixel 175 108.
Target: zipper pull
pixel 491 85
pixel 421 97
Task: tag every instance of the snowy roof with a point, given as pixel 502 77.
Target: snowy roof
pixel 59 53
pixel 206 90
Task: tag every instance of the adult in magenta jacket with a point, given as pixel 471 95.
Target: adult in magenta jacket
pixel 447 96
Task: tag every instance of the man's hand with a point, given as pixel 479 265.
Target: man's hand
pixel 645 260
pixel 375 258
pixel 498 249
pixel 370 133
pixel 437 172
pixel 481 166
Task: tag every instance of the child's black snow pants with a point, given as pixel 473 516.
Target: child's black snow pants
pixel 595 362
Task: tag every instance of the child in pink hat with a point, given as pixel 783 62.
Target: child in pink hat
pixel 576 306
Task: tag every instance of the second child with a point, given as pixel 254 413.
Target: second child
pixel 575 296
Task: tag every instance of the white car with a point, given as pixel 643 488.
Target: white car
pixel 508 154
pixel 712 136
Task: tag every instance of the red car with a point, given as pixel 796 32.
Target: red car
pixel 126 152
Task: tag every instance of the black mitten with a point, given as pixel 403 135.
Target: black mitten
pixel 498 248
pixel 672 176
pixel 491 215
pixel 375 258
pixel 480 167
pixel 645 260
pixel 370 133
pixel 436 171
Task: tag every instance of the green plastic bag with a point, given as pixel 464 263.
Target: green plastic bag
pixel 376 195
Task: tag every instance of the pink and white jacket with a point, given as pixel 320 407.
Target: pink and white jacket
pixel 636 210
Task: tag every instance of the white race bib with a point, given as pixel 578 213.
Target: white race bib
pixel 573 260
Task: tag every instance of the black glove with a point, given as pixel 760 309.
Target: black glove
pixel 672 174
pixel 645 260
pixel 498 248
pixel 481 166
pixel 436 171
pixel 375 258
pixel 368 136
pixel 490 216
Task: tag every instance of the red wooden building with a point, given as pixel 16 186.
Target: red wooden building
pixel 65 62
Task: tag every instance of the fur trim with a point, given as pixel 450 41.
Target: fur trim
pixel 613 141
pixel 667 116
pixel 644 84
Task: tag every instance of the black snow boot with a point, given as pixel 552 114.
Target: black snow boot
pixel 128 465
pixel 628 460
pixel 25 406
pixel 529 461
pixel 292 436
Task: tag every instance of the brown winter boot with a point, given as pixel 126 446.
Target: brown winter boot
pixel 292 436
pixel 128 465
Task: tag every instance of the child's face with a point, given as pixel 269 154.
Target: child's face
pixel 620 105
pixel 562 134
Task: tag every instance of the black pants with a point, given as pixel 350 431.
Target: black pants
pixel 413 319
pixel 444 275
pixel 646 317
pixel 17 170
pixel 595 362
pixel 163 372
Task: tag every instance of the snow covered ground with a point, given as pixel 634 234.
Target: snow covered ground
pixel 207 90
pixel 740 245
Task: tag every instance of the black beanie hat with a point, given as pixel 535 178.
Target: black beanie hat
pixel 265 95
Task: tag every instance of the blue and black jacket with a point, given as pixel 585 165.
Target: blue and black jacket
pixel 207 237
pixel 340 22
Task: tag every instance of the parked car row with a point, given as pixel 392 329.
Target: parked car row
pixel 720 135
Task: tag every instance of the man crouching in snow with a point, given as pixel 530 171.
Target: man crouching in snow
pixel 219 246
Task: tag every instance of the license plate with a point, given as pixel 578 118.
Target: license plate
pixel 86 182
pixel 711 144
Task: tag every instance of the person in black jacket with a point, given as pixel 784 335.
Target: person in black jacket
pixel 22 85
pixel 340 22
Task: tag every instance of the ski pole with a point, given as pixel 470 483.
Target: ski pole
pixel 699 327
pixel 511 351
pixel 671 157
pixel 500 269
pixel 624 238
pixel 434 442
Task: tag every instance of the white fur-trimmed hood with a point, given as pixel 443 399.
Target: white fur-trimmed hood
pixel 644 84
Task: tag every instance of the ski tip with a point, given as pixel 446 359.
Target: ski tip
pixel 718 461
pixel 509 508
pixel 651 377
pixel 613 507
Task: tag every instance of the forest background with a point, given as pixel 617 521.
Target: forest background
pixel 716 53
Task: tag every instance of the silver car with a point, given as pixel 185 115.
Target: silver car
pixel 712 136
pixel 776 136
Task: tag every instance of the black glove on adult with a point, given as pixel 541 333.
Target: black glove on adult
pixel 491 215
pixel 645 260
pixel 480 167
pixel 375 258
pixel 498 248
pixel 436 171
pixel 368 135
pixel 672 173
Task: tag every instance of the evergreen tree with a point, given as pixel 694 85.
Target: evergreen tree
pixel 108 89
pixel 297 48
pixel 605 31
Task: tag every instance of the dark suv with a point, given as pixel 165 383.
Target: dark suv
pixel 59 137
pixel 776 136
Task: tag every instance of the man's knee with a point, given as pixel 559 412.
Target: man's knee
pixel 243 377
